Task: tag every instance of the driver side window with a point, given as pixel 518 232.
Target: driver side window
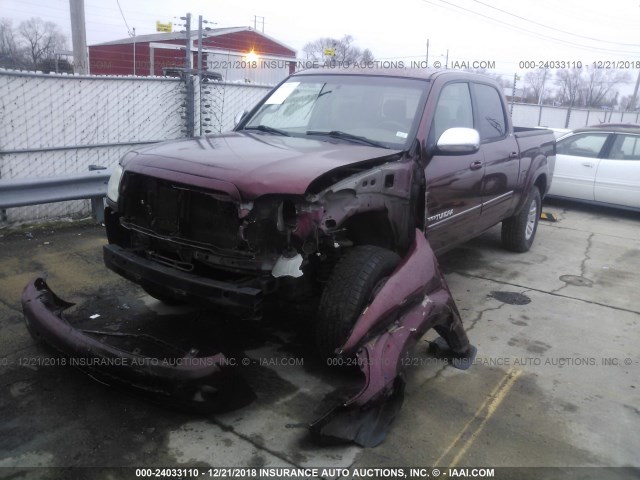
pixel 453 109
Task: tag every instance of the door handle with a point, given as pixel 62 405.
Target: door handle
pixel 590 165
pixel 513 155
pixel 475 165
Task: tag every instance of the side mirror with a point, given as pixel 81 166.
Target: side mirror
pixel 459 141
pixel 238 118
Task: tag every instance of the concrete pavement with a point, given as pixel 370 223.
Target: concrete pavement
pixel 556 381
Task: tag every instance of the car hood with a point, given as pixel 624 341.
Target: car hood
pixel 255 164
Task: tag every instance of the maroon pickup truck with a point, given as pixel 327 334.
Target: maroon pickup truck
pixel 331 196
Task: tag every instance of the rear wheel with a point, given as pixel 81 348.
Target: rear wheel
pixel 355 280
pixel 519 231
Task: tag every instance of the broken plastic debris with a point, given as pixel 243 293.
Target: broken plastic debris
pixel 288 266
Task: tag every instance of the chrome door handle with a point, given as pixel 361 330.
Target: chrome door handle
pixel 475 165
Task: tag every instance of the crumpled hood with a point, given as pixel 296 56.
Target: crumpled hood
pixel 256 164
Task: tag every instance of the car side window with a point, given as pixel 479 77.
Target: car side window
pixel 453 109
pixel 582 145
pixel 625 147
pixel 492 124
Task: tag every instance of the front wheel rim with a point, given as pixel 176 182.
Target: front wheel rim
pixel 532 217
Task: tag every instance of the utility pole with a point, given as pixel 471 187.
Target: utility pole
pixel 79 37
pixel 427 53
pixel 544 79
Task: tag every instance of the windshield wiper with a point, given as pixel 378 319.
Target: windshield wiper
pixel 347 136
pixel 267 129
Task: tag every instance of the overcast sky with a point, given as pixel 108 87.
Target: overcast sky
pixel 585 31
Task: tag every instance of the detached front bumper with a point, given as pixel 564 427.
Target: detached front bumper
pixel 188 381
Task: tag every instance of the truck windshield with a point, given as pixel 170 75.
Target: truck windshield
pixel 362 109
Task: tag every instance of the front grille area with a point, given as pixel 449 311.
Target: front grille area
pixel 179 212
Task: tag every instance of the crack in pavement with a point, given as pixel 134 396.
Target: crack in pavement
pixel 481 313
pixel 613 307
pixel 583 263
pixel 560 227
pixel 248 439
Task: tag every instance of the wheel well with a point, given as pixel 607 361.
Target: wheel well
pixel 371 228
pixel 541 183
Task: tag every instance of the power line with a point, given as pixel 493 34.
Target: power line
pixel 524 30
pixel 553 28
pixel 125 20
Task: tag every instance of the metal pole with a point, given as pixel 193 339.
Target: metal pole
pixel 187 49
pixel 200 72
pixel 189 81
pixel 544 79
pixel 199 46
pixel 513 92
pixel 635 93
pixel 427 53
pixel 79 37
pixel 152 67
pixel 134 51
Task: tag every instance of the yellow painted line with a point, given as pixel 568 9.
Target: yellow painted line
pixel 491 404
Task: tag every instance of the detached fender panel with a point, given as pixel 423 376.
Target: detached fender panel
pixel 414 299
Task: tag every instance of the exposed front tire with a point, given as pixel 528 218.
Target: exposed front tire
pixel 519 231
pixel 355 280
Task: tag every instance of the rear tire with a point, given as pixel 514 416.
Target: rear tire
pixel 519 231
pixel 351 287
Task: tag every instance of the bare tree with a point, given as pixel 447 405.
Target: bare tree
pixel 625 103
pixel 346 51
pixel 535 82
pixel 570 82
pixel 599 86
pixel 11 55
pixel 42 39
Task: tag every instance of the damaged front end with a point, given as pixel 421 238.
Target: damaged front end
pixel 179 379
pixel 182 242
pixel 414 299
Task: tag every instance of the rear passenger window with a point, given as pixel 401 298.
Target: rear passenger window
pixel 491 120
pixel 585 145
pixel 453 109
pixel 626 147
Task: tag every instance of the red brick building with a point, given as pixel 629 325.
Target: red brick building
pixel 225 51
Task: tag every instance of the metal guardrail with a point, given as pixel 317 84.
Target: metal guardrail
pixel 22 192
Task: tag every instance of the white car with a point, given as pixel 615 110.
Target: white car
pixel 599 165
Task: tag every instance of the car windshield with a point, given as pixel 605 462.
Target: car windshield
pixel 371 110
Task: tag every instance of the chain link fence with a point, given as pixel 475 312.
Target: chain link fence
pixel 61 124
pixel 221 102
pixel 527 115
